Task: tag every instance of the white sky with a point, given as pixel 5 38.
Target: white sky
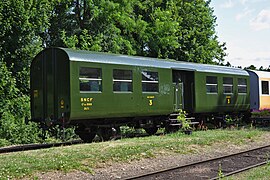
pixel 245 27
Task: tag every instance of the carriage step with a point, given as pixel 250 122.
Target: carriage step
pixel 193 123
pixel 174 114
pixel 191 118
pixel 179 124
pixel 173 119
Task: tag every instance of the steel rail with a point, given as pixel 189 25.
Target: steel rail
pixel 241 170
pixel 27 147
pixel 202 162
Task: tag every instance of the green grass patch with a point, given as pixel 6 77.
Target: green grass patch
pixel 86 157
pixel 257 173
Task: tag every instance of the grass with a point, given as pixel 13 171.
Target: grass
pixel 257 173
pixel 86 157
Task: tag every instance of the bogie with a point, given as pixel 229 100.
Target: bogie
pixel 151 130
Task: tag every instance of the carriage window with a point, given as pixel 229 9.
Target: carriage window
pixel 122 80
pixel 150 81
pixel 265 87
pixel 90 79
pixel 211 84
pixel 242 85
pixel 227 85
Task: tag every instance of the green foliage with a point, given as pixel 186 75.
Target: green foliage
pixel 176 29
pixel 4 142
pixel 21 25
pixel 181 30
pixel 182 119
pixel 262 173
pixel 71 41
pixel 261 113
pixel 8 88
pixel 58 133
pixel 13 108
pixel 229 119
pixel 9 92
pixel 220 173
pixel 128 131
pixel 251 67
pixel 15 131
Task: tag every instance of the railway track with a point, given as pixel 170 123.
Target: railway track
pixel 27 147
pixel 213 168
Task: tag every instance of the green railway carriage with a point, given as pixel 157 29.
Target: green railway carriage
pixel 97 91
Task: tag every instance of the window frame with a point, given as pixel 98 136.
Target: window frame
pixel 227 85
pixel 268 89
pixel 122 80
pixel 91 79
pixel 211 85
pixel 242 85
pixel 150 82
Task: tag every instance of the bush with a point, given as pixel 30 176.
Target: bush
pixel 4 142
pixel 8 88
pixel 260 113
pixel 14 107
pixel 57 133
pixel 12 124
pixel 15 131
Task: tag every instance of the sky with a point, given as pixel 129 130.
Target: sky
pixel 244 25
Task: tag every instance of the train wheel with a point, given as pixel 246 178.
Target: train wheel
pixel 86 136
pixel 106 133
pixel 151 130
pixel 247 118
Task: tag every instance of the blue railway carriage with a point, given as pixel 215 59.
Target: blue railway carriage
pixel 259 92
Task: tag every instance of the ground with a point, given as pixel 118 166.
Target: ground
pixel 123 170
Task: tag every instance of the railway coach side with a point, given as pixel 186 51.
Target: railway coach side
pixel 222 92
pixel 213 91
pixel 104 91
pixel 99 92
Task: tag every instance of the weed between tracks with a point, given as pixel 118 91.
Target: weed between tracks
pixel 86 157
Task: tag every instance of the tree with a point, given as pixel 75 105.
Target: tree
pixel 13 109
pixel 21 24
pixel 184 30
pixel 8 90
pixel 178 29
pixel 251 67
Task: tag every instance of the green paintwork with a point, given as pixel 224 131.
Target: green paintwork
pixel 50 85
pixel 109 104
pixel 55 88
pixel 56 78
pixel 218 102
